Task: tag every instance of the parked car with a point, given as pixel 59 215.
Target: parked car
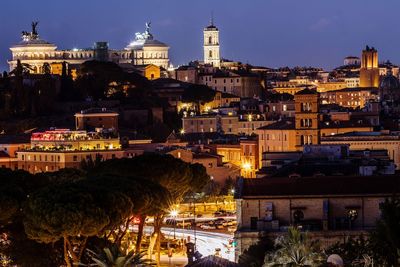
pixel 183 224
pixel 207 227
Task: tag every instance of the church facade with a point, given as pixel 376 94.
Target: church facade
pixel 35 52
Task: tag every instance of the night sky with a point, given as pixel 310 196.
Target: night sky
pixel 261 32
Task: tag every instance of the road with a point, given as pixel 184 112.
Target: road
pixel 206 242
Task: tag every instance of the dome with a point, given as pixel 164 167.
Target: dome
pixel 389 88
pixel 145 39
pixel 389 82
pixel 139 44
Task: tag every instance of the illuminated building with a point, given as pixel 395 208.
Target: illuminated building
pixel 327 207
pixel 91 119
pixel 186 74
pixel 352 82
pixel 211 45
pixel 351 60
pixel 244 155
pixel 350 97
pixel 369 71
pixel 368 140
pixel 229 124
pixel 220 100
pixel 147 50
pixel 211 123
pixel 62 148
pixel 290 134
pixel 150 71
pixel 307 117
pixel 212 163
pixel 240 83
pixel 34 51
pixel 9 145
pixel 249 157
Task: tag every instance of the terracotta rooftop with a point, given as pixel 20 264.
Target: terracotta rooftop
pixel 324 185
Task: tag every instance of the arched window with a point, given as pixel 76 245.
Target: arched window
pixel 210 54
pixel 210 40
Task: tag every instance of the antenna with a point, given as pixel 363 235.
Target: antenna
pixel 212 18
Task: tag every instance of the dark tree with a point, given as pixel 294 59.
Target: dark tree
pixel 64 212
pixel 385 238
pixel 255 254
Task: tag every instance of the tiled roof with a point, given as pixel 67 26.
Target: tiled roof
pixel 307 91
pixel 286 124
pixel 324 185
pixel 355 89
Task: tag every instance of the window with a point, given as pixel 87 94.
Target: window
pixel 210 53
pixel 253 223
pixel 298 215
pixel 210 40
pixel 352 214
pixel 75 158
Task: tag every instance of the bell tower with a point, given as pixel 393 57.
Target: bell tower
pixel 369 71
pixel 211 45
pixel 306 118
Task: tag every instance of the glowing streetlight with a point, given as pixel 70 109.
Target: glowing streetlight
pixel 173 213
pixel 246 166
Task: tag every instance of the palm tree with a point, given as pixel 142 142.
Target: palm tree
pixel 294 249
pixel 114 257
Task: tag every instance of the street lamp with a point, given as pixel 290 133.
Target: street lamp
pixel 174 214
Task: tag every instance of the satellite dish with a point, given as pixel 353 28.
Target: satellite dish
pixel 336 260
